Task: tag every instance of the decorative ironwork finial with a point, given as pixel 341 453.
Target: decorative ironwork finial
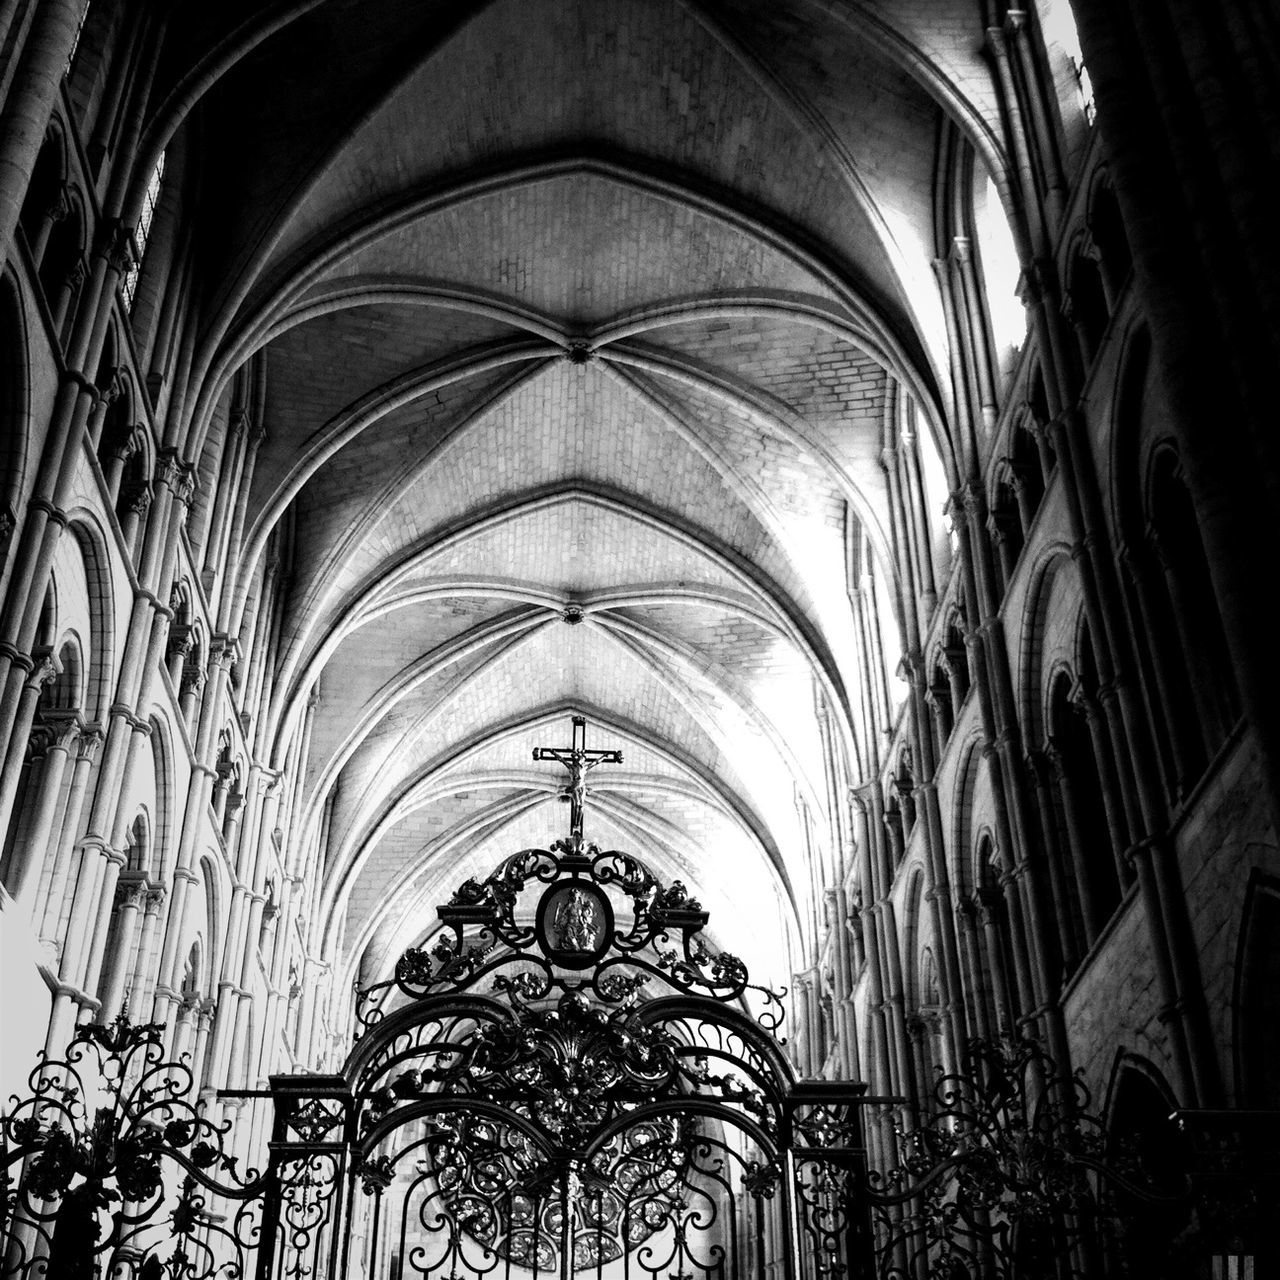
pixel 579 761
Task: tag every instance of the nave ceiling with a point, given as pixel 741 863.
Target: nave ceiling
pixel 574 330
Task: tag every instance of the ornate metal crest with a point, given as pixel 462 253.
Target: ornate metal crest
pixel 603 924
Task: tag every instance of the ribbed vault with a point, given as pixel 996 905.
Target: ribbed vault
pixel 577 332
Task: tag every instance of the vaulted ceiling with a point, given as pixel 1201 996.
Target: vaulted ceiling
pixel 575 326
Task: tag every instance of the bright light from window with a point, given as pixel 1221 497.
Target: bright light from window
pixel 1001 270
pixel 75 44
pixel 149 201
pixel 1059 27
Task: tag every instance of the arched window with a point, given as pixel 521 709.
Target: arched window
pixel 129 285
pixel 75 44
pixel 1062 41
pixel 1143 1136
pixel 1000 269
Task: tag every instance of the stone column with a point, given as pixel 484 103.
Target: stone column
pixel 29 105
pixel 59 208
pixel 184 1035
pixel 63 307
pixel 64 845
pixel 51 742
pixel 189 690
pixel 129 900
pixel 967 927
pixel 42 669
pixel 137 504
pixel 144 976
pixel 988 906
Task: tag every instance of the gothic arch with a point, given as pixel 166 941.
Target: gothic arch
pixel 206 916
pixel 88 540
pixel 1107 231
pixel 1141 1130
pixel 1052 585
pixel 1087 307
pixel 965 813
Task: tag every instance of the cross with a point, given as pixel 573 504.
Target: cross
pixel 579 761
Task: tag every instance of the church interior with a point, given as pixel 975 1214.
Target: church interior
pixel 858 414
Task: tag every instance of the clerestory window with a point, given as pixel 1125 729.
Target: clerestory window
pixel 130 284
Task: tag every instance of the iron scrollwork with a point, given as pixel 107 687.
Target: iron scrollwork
pixel 119 1168
pixel 1008 1174
pixel 659 935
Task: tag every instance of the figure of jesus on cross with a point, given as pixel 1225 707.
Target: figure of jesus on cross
pixel 579 761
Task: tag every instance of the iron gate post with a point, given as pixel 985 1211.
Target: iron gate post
pixel 309 1110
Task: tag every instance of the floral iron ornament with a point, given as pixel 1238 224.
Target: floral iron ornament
pixel 117 1165
pixel 574 929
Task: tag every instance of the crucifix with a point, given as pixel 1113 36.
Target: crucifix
pixel 579 761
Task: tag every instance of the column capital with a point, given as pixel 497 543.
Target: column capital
pixel 192 680
pixel 65 726
pixel 131 892
pixel 138 498
pixel 172 471
pixel 224 650
pixel 181 637
pixel 44 667
pixel 119 247
pixel 922 1023
pixel 91 738
pixel 1015 21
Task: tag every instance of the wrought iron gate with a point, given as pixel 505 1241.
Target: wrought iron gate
pixel 571 1082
